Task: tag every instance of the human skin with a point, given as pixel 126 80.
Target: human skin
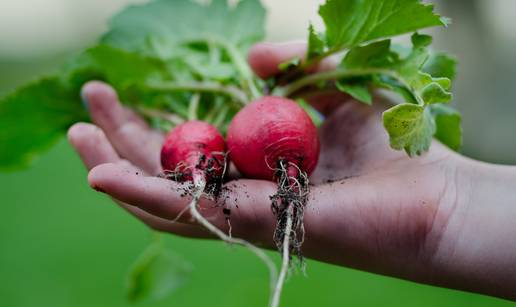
pixel 439 219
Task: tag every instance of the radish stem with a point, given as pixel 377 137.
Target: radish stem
pixel 209 87
pixel 238 60
pixel 194 106
pixel 243 68
pixel 292 88
pixel 170 117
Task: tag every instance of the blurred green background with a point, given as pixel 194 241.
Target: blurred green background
pixel 62 245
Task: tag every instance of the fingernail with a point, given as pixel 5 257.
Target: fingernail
pixel 84 101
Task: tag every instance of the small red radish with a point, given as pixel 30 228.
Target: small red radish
pixel 273 138
pixel 270 130
pixel 194 149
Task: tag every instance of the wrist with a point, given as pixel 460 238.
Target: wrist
pixel 477 249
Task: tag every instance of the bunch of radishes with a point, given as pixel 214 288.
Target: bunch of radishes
pixel 272 138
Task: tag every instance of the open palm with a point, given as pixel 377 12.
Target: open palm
pixel 371 207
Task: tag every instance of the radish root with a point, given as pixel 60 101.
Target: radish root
pixel 198 191
pixel 288 206
pixel 285 263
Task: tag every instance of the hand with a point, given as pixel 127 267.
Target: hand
pixel 440 219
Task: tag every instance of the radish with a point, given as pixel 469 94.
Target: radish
pixel 270 130
pixel 274 139
pixel 195 152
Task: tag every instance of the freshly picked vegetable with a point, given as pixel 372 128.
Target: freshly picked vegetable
pixel 182 66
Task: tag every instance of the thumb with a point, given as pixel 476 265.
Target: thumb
pixel 265 58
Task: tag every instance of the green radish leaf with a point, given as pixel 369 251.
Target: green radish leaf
pixel 156 274
pixel 448 124
pixel 376 54
pixel 44 110
pixel 421 40
pixel 441 65
pixel 316 43
pixel 436 91
pixel 128 72
pixel 357 89
pixel 159 27
pixel 205 41
pixel 351 23
pixel 410 127
pixel 161 54
pixel 34 118
pixel 120 68
pixel 214 71
pixel 402 74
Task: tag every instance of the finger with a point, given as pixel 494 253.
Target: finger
pixel 265 58
pixel 155 222
pixel 92 145
pixel 248 201
pixel 167 226
pixel 129 134
pixel 94 149
pixel 362 222
pixel 155 195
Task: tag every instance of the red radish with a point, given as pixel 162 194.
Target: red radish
pixel 194 149
pixel 270 130
pixel 273 138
